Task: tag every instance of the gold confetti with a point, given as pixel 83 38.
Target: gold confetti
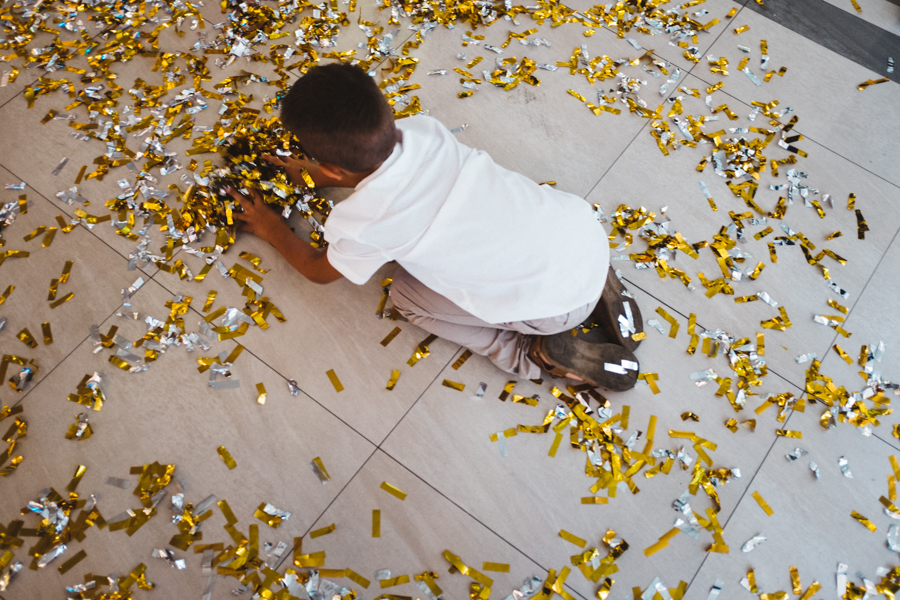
pixel 390 489
pixel 790 434
pixel 389 337
pixel 762 504
pixel 376 523
pixel 62 300
pixel 26 338
pixel 572 538
pixel 869 82
pixel 322 531
pixel 394 581
pixel 497 567
pixel 864 521
pixel 453 385
pixel 261 393
pixel 226 456
pixel 395 376
pixel 594 500
pixel 210 299
pixel 461 360
pixel 332 376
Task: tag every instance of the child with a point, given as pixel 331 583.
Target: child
pixel 487 258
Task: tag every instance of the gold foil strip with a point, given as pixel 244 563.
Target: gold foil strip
pixel 422 350
pixel 594 500
pixel 261 393
pixel 741 29
pixel 662 543
pixel 572 538
pixel 6 293
pixel 394 581
pixel 319 469
pixel 225 455
pixel 496 567
pixel 67 566
pixel 333 378
pixel 814 587
pixel 48 237
pixel 840 352
pixel 869 82
pixel 453 385
pixel 26 338
pixel 76 479
pixel 376 523
pixel 322 531
pixel 210 299
pixel 763 504
pixel 62 300
pixel 390 337
pixel 789 434
pixel 461 360
pixel 314 559
pixel 392 490
pixel 395 376
pixel 864 521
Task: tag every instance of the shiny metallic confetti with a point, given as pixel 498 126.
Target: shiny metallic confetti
pixel 753 543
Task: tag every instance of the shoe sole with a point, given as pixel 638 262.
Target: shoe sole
pixel 587 360
pixel 606 313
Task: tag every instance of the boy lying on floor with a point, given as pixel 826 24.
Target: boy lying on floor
pixel 488 259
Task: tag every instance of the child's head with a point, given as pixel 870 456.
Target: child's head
pixel 340 117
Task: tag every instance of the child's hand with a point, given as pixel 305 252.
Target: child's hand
pixel 257 218
pixel 292 165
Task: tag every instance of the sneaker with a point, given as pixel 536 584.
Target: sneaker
pixel 601 365
pixel 611 314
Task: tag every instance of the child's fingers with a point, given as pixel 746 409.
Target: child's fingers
pixel 275 160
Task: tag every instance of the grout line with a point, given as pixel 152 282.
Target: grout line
pixel 470 515
pixel 424 391
pixel 673 309
pixel 740 500
pixel 66 357
pixel 333 500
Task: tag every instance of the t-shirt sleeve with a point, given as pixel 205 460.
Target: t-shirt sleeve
pixel 355 260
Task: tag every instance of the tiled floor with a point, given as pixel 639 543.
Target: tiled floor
pixel 503 501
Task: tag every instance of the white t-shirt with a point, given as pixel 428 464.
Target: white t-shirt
pixel 493 241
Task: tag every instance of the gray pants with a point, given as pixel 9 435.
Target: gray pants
pixel 506 344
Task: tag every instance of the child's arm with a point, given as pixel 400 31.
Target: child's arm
pixel 265 223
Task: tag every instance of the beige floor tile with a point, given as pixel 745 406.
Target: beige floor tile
pixel 821 88
pixel 445 440
pixel 811 527
pixel 170 414
pixel 331 327
pixel 524 128
pixel 96 279
pixel 882 13
pixel 793 283
pixel 414 534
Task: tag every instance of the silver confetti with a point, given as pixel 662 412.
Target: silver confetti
pixel 815 469
pixel 716 588
pixel 752 543
pixel 893 538
pixel 844 464
pixel 60 166
pixel 795 454
pixel 118 482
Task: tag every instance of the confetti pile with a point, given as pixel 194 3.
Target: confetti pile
pixel 173 160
